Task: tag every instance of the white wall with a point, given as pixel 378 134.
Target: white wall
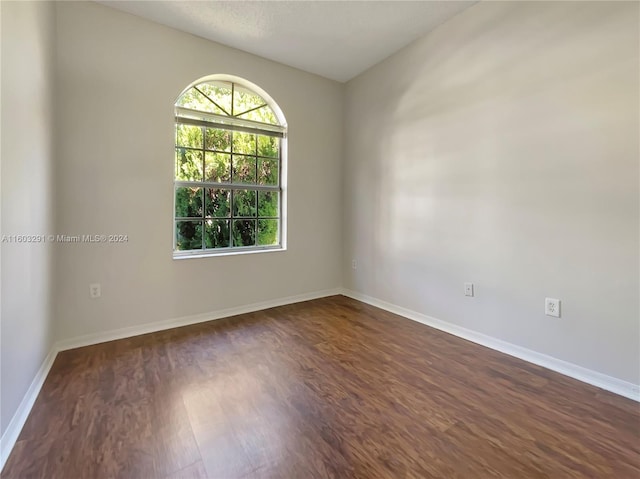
pixel 26 171
pixel 502 149
pixel 118 77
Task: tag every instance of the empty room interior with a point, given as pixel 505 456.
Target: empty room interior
pixel 318 239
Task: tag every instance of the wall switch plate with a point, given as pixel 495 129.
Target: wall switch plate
pixel 354 264
pixel 552 307
pixel 468 289
pixel 94 290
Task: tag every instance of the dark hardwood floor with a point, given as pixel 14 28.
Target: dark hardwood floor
pixel 330 388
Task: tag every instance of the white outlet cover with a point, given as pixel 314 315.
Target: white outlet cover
pixel 94 290
pixel 468 289
pixel 552 307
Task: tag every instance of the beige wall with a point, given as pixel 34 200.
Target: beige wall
pixel 118 77
pixel 26 171
pixel 502 149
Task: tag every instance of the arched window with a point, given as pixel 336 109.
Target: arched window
pixel 229 196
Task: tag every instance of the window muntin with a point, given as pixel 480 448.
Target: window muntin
pixel 228 166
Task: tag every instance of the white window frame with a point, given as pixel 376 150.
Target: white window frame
pixel 203 119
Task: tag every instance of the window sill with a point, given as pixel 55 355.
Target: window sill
pixel 215 254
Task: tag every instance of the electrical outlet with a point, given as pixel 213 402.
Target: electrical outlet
pixel 468 289
pixel 552 307
pixel 354 264
pixel 94 290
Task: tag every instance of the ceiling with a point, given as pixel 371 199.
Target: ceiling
pixel 334 39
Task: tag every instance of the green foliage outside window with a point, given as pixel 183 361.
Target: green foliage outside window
pixel 218 208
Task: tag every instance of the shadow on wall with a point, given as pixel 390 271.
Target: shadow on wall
pixel 479 128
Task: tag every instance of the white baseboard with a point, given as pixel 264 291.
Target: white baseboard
pixel 10 436
pixel 609 383
pixel 102 337
pixel 12 432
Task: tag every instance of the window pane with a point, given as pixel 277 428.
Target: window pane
pixel 216 233
pixel 244 169
pixel 217 202
pixel 268 146
pixel 188 202
pixel 244 232
pixel 245 100
pixel 268 116
pixel 188 165
pixel 263 115
pixel 219 92
pixel 188 235
pixel 195 100
pixel 267 232
pixel 244 143
pixel 187 135
pixel 216 139
pixel 268 172
pixel 244 203
pixel 217 167
pixel 268 203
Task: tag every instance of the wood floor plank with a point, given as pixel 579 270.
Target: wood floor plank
pixel 222 452
pixel 192 471
pixel 330 388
